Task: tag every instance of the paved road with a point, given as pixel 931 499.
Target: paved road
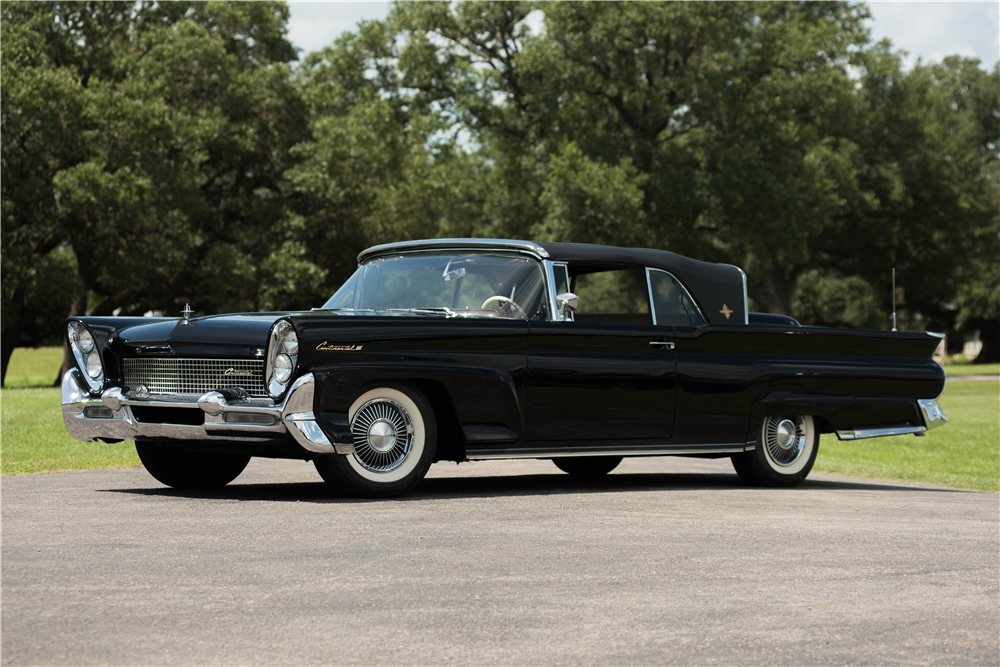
pixel 667 561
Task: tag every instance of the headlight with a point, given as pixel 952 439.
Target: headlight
pixel 88 358
pixel 282 368
pixel 94 369
pixel 84 340
pixel 290 342
pixel 282 355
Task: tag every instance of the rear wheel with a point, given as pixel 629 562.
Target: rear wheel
pixel 183 470
pixel 591 466
pixel 785 452
pixel 394 440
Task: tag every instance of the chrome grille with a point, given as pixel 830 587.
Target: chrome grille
pixel 196 376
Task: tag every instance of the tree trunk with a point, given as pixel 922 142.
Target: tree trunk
pixel 7 346
pixel 773 293
pixel 989 334
pixel 79 308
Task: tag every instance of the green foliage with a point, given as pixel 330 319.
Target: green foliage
pixel 590 202
pixel 823 299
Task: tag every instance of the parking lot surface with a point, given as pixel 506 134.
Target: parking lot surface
pixel 665 561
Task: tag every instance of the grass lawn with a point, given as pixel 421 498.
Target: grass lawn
pixel 35 440
pixel 963 454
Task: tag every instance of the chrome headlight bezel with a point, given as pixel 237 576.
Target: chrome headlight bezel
pixel 87 356
pixel 283 341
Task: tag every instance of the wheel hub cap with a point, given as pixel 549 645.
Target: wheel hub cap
pixel 785 434
pixel 381 436
pixel 784 439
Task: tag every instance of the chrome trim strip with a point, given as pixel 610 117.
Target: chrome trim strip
pixel 653 450
pixel 668 344
pixel 746 298
pixel 649 290
pixel 477 244
pixel 864 433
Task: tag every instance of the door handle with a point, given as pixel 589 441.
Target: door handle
pixel 665 343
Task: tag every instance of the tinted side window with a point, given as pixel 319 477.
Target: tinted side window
pixel 671 303
pixel 614 297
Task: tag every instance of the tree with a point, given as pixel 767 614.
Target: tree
pixel 171 188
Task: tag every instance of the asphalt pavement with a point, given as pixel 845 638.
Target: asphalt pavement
pixel 665 561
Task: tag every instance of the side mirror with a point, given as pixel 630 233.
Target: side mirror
pixel 567 303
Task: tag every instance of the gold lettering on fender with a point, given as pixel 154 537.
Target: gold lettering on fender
pixel 725 311
pixel 327 346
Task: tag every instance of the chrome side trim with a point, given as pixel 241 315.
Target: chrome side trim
pixel 653 450
pixel 477 244
pixel 864 433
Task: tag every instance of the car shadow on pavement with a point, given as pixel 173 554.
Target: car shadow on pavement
pixel 515 485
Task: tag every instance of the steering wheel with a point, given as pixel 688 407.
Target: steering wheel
pixel 504 301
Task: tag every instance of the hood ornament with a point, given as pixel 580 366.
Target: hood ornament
pixel 187 312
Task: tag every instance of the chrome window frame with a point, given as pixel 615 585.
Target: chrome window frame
pixel 550 278
pixel 652 304
pixel 527 247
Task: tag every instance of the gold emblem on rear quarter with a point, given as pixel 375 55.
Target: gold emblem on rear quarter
pixel 725 311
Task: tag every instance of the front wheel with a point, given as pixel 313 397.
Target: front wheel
pixel 785 452
pixel 394 435
pixel 183 470
pixel 587 466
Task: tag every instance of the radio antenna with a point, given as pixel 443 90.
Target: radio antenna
pixel 894 299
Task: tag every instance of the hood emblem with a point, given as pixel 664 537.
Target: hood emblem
pixel 187 312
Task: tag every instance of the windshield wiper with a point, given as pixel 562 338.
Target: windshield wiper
pixel 446 312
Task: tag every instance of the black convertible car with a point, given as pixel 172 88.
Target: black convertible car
pixel 466 349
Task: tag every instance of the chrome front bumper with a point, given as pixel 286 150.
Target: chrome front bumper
pixel 111 417
pixel 931 412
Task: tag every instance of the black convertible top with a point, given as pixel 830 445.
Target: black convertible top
pixel 719 289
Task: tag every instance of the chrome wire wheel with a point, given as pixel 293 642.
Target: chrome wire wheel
pixel 383 435
pixel 785 439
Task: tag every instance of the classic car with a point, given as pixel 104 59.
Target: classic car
pixel 472 349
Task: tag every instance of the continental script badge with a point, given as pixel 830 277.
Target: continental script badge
pixel 327 346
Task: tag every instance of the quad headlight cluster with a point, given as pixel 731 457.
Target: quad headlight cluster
pixel 88 359
pixel 282 356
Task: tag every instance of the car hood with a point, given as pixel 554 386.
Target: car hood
pixel 239 335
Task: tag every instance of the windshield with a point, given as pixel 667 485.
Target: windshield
pixel 450 285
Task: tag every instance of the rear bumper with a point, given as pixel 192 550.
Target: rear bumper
pixel 209 417
pixel 930 411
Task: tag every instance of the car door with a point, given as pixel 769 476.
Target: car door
pixel 609 375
